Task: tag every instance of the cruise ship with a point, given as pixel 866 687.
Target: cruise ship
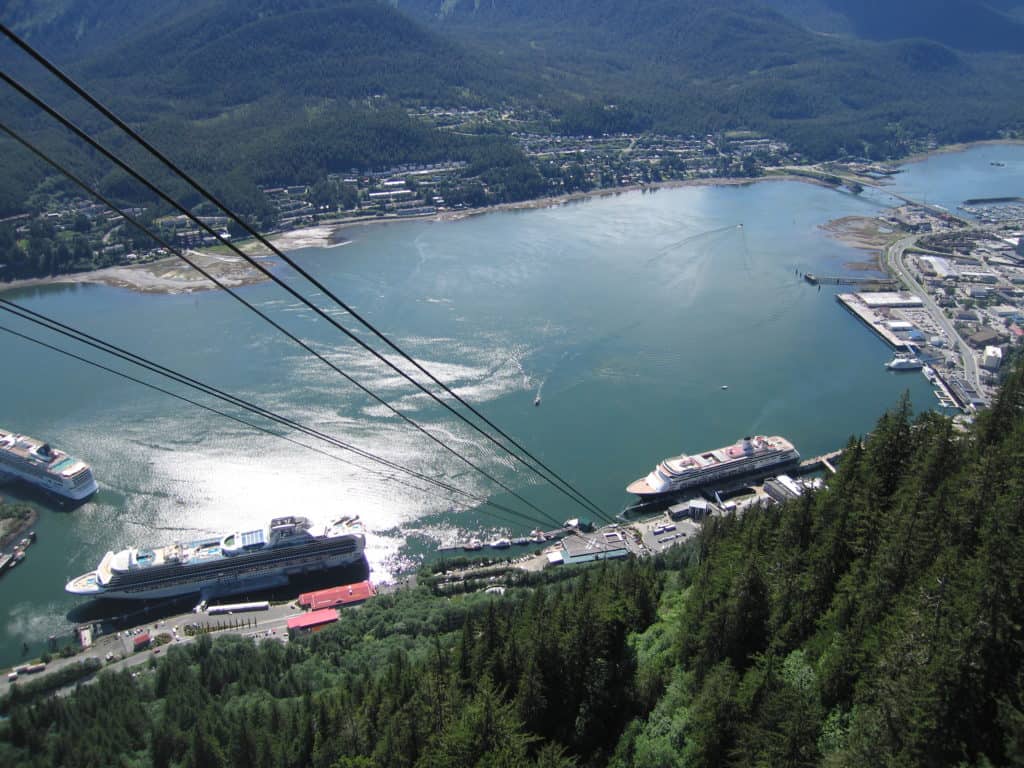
pixel 225 565
pixel 749 456
pixel 41 465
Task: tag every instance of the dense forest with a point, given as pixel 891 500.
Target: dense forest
pixel 878 621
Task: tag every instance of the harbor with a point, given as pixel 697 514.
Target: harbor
pixel 631 367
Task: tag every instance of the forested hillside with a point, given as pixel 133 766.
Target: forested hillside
pixel 876 622
pixel 286 91
pixel 266 92
pixel 973 25
pixel 691 66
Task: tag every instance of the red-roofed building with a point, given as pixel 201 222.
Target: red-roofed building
pixel 349 594
pixel 141 641
pixel 313 621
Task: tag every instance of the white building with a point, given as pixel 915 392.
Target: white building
pixel 888 299
pixel 993 358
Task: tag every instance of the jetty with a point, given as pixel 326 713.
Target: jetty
pixel 875 283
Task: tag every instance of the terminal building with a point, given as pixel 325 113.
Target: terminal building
pixel 783 488
pixel 883 299
pixel 314 621
pixel 696 509
pixel 580 548
pixel 335 597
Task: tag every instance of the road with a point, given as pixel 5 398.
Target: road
pixel 269 624
pixel 894 259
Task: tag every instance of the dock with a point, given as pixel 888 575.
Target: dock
pixel 871 319
pixel 866 283
pixel 537 538
pixel 826 461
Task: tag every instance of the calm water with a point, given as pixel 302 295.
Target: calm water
pixel 626 314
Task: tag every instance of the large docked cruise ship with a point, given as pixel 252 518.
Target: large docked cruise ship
pixel 225 565
pixel 37 463
pixel 748 456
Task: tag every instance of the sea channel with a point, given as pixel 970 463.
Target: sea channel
pixel 626 315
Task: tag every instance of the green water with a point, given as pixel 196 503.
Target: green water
pixel 626 314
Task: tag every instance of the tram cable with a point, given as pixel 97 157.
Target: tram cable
pixel 551 477
pixel 177 252
pixel 263 270
pixel 57 327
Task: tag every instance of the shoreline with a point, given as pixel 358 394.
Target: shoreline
pixel 963 146
pixel 171 276
pixel 19 530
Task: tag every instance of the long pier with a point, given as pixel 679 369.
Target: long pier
pixel 883 283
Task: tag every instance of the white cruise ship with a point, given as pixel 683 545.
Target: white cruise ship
pixel 904 363
pixel 37 463
pixel 225 565
pixel 749 456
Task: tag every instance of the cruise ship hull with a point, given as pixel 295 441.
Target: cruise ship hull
pixel 53 485
pixel 217 585
pixel 711 469
pixel 238 561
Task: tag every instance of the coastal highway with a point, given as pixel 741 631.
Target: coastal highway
pixel 894 259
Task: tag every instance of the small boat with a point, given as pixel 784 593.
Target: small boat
pixel 500 544
pixel 521 541
pixel 725 386
pixel 473 545
pixel 536 401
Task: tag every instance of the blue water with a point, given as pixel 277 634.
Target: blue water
pixel 625 314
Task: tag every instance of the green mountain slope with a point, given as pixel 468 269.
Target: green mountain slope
pixel 970 25
pixel 693 66
pixel 267 91
pixel 234 86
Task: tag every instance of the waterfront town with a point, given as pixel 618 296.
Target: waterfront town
pixel 953 305
pixel 89 235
